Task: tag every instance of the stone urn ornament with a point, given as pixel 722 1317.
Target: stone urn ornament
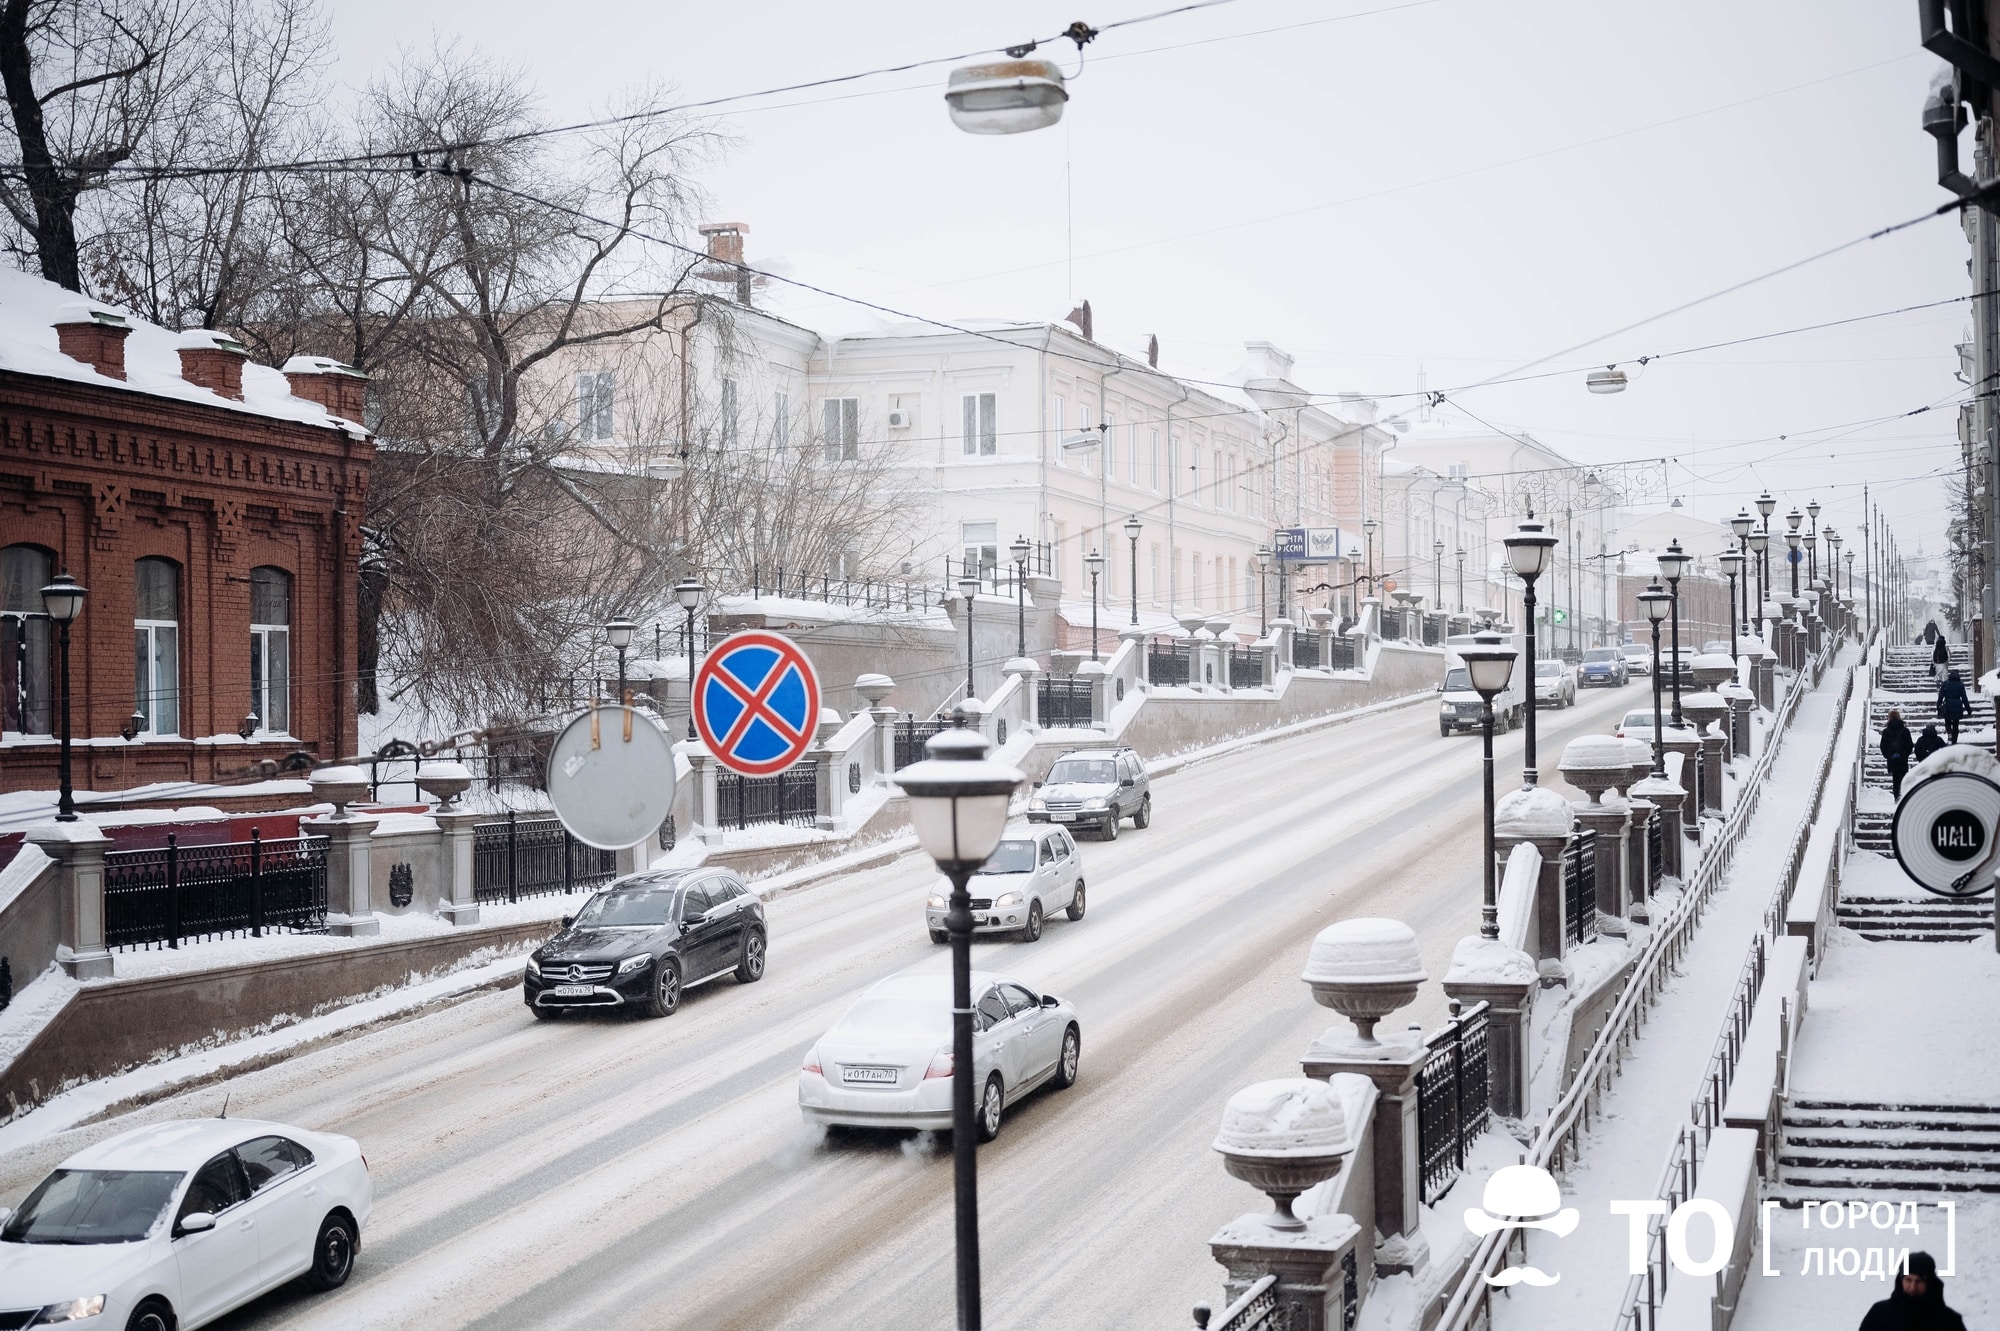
pixel 1704 709
pixel 1364 970
pixel 874 688
pixel 1283 1137
pixel 1597 765
pixel 340 787
pixel 1640 755
pixel 444 782
pixel 1711 669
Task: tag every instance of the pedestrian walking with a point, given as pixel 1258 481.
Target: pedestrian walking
pixel 1895 745
pixel 1940 657
pixel 1951 704
pixel 1927 743
pixel 1915 1303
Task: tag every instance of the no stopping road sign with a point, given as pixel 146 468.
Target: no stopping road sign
pixel 756 702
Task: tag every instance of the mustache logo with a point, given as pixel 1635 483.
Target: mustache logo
pixel 1522 1275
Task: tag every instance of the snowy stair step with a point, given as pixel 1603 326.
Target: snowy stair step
pixel 1838 1183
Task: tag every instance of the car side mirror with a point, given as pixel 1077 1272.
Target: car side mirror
pixel 194 1222
pixel 690 921
pixel 1440 686
pixel 1038 785
pixel 568 920
pixel 1050 1000
pixel 1126 784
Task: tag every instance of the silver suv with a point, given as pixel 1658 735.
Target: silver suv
pixel 1094 788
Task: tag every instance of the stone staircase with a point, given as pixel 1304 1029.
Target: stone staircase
pixel 1902 920
pixel 1830 1148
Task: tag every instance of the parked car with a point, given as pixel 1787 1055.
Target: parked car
pixel 175 1224
pixel 887 1063
pixel 1094 788
pixel 645 940
pixel 1029 876
pixel 1638 658
pixel 1603 666
pixel 1555 684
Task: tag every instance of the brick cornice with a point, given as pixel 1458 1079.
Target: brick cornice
pixel 126 409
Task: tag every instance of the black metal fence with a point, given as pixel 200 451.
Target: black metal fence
pixel 534 857
pixel 1246 668
pixel 1434 630
pixel 1167 662
pixel 1305 651
pixel 1580 888
pixel 1065 700
pixel 159 898
pixel 912 735
pixel 1343 653
pixel 1655 848
pixel 1392 624
pixel 791 797
pixel 1453 1105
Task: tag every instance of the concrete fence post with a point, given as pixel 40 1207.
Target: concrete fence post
pixel 78 849
pixel 1398 1162
pixel 1612 825
pixel 1639 859
pixel 1667 798
pixel 349 912
pixel 1310 1293
pixel 707 802
pixel 460 832
pixel 1510 1007
pixel 1545 936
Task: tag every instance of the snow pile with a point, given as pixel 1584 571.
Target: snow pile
pixel 1958 758
pixel 1596 753
pixel 1713 661
pixel 1383 951
pixel 1656 785
pixel 1479 960
pixel 1292 1116
pixel 1532 811
pixel 394 824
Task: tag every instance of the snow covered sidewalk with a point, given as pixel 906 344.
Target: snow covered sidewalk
pixel 1624 1153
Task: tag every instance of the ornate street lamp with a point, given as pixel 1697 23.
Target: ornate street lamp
pixel 1732 564
pixel 1019 549
pixel 1461 580
pixel 1437 572
pixel 1528 551
pixel 1760 543
pixel 1263 588
pixel 1490 663
pixel 1850 573
pixel 968 588
pixel 1792 557
pixel 63 599
pixel 1368 530
pixel 958 801
pixel 1095 563
pixel 1132 529
pixel 1812 539
pixel 619 634
pixel 1673 563
pixel 688 593
pixel 1832 539
pixel 1742 524
pixel 1658 605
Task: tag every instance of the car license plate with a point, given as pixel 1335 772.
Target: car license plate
pixel 876 1075
pixel 572 991
pixel 1062 817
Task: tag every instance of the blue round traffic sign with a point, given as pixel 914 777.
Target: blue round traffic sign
pixel 756 702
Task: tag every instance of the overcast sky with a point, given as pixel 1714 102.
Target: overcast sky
pixel 1400 193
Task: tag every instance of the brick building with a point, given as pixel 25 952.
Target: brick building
pixel 212 507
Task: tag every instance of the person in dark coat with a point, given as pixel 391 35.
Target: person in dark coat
pixel 1951 704
pixel 1927 743
pixel 1940 657
pixel 1896 747
pixel 1915 1303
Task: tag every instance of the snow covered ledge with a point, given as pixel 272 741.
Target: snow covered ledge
pixel 1538 816
pixel 78 849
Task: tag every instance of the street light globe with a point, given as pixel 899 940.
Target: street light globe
pixel 1812 510
pixel 1792 539
pixel 1490 663
pixel 1742 523
pixel 958 799
pixel 1133 527
pixel 1019 549
pixel 1759 542
pixel 1368 526
pixel 63 598
pixel 688 593
pixel 1794 518
pixel 1094 562
pixel 1765 504
pixel 1437 547
pixel 1006 96
pixel 1610 379
pixel 968 585
pixel 1528 550
pixel 619 632
pixel 1674 562
pixel 1731 561
pixel 1657 602
pixel 1263 557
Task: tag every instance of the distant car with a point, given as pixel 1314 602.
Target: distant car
pixel 1555 684
pixel 175 1224
pixel 645 940
pixel 1637 725
pixel 1603 666
pixel 1638 659
pixel 1718 646
pixel 887 1063
pixel 1094 788
pixel 1030 875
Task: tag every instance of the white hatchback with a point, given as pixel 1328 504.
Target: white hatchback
pixel 1033 873
pixel 887 1063
pixel 174 1224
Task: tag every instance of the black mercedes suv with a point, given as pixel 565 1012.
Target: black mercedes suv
pixel 646 939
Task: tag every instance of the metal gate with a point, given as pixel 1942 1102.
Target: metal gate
pixel 1580 888
pixel 1167 663
pixel 1453 1105
pixel 1065 700
pixel 791 797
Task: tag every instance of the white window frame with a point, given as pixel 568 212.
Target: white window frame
pixel 979 424
pixel 596 405
pixel 269 643
pixel 840 420
pixel 728 428
pixel 157 641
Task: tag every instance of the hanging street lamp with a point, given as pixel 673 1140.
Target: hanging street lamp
pixel 63 599
pixel 1528 552
pixel 1610 379
pixel 1490 663
pixel 1673 563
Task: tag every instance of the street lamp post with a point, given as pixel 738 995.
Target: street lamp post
pixel 1490 663
pixel 620 632
pixel 1263 590
pixel 1368 530
pixel 1095 563
pixel 1792 558
pixel 968 587
pixel 1132 529
pixel 1658 605
pixel 1673 563
pixel 1766 505
pixel 1732 564
pixel 958 801
pixel 1812 539
pixel 1850 573
pixel 1461 580
pixel 1760 542
pixel 1528 551
pixel 1437 571
pixel 688 594
pixel 1742 524
pixel 1020 550
pixel 63 599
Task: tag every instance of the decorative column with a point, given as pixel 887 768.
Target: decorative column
pixel 349 912
pixel 1668 798
pixel 707 801
pixel 1283 633
pixel 875 690
pixel 1706 711
pixel 460 834
pixel 1639 844
pixel 78 849
pixel 1141 665
pixel 1688 745
pixel 829 774
pixel 1764 672
pixel 1539 815
pixel 1597 765
pixel 1486 970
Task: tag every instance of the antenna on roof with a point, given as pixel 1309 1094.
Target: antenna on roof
pixel 225 1106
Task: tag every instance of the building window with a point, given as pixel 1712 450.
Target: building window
pixel 156 648
pixel 1156 573
pixel 25 635
pixel 1110 446
pixel 980 544
pixel 727 427
pixel 841 423
pixel 271 649
pixel 981 434
pixel 1152 461
pixel 594 393
pixel 781 420
pixel 1058 413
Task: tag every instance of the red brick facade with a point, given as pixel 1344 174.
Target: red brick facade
pixel 101 478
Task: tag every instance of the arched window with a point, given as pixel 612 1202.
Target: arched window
pixel 271 649
pixel 156 647
pixel 25 692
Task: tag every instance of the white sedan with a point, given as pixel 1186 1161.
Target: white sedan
pixel 169 1226
pixel 1033 873
pixel 887 1063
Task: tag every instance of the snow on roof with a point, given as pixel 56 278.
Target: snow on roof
pixel 30 306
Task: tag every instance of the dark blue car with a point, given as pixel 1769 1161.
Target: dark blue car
pixel 1602 666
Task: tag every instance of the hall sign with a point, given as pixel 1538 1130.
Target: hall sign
pixel 1307 545
pixel 1943 834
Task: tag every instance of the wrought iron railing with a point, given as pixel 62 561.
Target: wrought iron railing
pixel 790 798
pixel 1434 630
pixel 1065 700
pixel 175 894
pixel 1255 1309
pixel 534 857
pixel 1343 657
pixel 1580 888
pixel 1452 1099
pixel 1305 651
pixel 1167 662
pixel 1246 668
pixel 1392 624
pixel 912 735
pixel 1656 871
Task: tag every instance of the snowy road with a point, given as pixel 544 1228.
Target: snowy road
pixel 620 1173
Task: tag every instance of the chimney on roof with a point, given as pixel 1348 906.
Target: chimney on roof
pixel 725 257
pixel 213 361
pixel 340 388
pixel 1153 350
pixel 1080 316
pixel 94 335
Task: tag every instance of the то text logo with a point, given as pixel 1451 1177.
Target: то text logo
pixel 1523 1197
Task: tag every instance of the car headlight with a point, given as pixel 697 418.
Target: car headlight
pixel 1038 803
pixel 73 1311
pixel 534 968
pixel 1096 803
pixel 1007 899
pixel 935 901
pixel 630 964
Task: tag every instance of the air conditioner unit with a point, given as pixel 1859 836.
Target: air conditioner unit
pixel 899 419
